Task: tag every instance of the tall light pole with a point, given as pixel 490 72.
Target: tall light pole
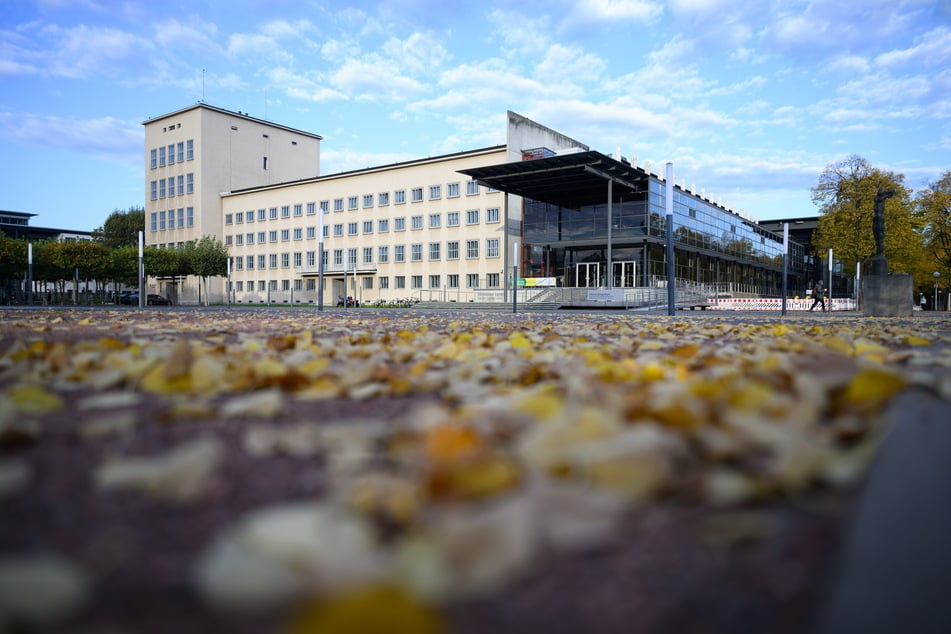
pixel 936 276
pixel 320 259
pixel 671 271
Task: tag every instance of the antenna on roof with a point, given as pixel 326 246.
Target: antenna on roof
pixel 203 85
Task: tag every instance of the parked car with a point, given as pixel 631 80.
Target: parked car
pixel 152 299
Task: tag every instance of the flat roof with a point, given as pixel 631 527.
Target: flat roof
pixel 567 180
pixel 241 115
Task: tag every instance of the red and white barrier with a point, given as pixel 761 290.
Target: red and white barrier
pixel 775 303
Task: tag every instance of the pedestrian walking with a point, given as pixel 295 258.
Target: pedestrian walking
pixel 923 302
pixel 818 296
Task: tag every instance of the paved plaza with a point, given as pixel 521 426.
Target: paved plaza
pixel 260 469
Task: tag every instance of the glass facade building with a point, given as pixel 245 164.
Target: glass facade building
pixel 590 220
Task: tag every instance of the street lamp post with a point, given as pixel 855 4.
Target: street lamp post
pixel 936 276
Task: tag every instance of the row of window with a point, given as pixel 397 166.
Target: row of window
pixel 172 219
pixel 434 251
pixel 172 186
pixel 172 153
pixel 381 199
pixel 473 280
pixel 453 219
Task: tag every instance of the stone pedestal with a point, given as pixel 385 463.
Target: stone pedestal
pixel 887 295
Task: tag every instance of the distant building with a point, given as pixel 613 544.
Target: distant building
pixel 16 224
pixel 442 227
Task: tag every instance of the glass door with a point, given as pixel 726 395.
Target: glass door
pixel 588 274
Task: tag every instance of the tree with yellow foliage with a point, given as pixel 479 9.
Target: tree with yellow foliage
pixel 845 195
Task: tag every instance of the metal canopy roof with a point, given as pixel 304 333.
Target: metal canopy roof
pixel 567 180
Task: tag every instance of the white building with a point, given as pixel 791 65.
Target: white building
pixel 414 229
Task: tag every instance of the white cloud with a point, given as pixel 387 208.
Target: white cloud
pixel 105 135
pixel 81 52
pixel 614 10
pixel 931 49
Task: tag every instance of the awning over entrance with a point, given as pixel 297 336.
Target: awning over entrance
pixel 566 180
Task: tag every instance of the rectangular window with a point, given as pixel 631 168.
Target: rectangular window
pixel 492 215
pixel 416 252
pixel 262 237
pixel 285 211
pixel 452 280
pixel 383 255
pixel 153 190
pixel 435 192
pixel 298 286
pixel 311 258
pixel 367 201
pixel 351 228
pixel 352 257
pixel 399 196
pixel 298 258
pixel 435 281
pixel 262 215
pixel 368 255
pixel 153 221
pixel 190 149
pixel 285 260
pixel 171 186
pixel 311 209
pixel 338 257
pixel 435 220
pixel 416 281
pixel 367 226
pixel 181 152
pixel 190 183
pixel 383 199
pixel 261 288
pixel 161 221
pixel 161 156
pixel 239 239
pixel 399 253
pixel 434 254
pixel 472 249
pixel 298 233
pixel 249 216
pixel 298 210
pixel 338 204
pixel 452 190
pixel 338 229
pixel 368 283
pixel 272 236
pixel 416 222
pixel 272 260
pixel 285 235
pixel 325 206
pixel 181 184
pixel 452 250
pixel 399 224
pixel 383 226
pixel 153 158
pixel 311 233
pixel 472 280
pixel 492 248
pixel 239 218
pixel 416 194
pixel 311 284
pixel 472 188
pixel 161 188
pixel 384 283
pixel 171 154
pixel 250 238
pixel 400 281
pixel 250 262
pixel 181 217
pixel 326 231
pixel 171 218
pixel 272 213
pixel 493 280
pixel 351 202
pixel 472 217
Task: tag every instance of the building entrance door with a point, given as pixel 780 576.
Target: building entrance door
pixel 588 274
pixel 625 274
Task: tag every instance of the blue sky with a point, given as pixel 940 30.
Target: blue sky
pixel 749 99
